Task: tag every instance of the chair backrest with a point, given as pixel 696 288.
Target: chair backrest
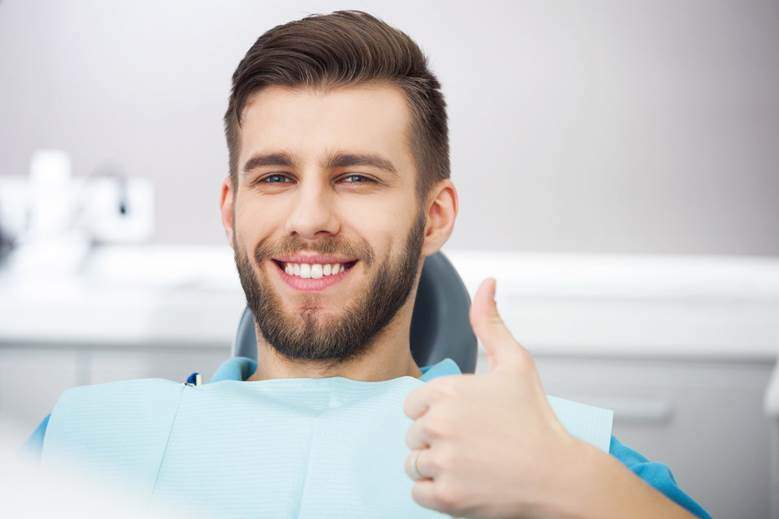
pixel 440 326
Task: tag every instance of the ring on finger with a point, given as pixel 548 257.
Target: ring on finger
pixel 415 465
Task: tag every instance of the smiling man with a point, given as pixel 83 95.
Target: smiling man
pixel 338 189
pixel 328 228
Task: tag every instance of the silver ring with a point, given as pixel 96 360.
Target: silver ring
pixel 416 467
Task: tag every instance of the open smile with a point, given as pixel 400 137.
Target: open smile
pixel 312 276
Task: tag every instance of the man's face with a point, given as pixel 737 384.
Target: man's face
pixel 301 192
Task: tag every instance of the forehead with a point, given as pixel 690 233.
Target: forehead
pixel 369 118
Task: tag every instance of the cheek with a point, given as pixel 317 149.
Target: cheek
pixel 253 218
pixel 380 234
pixel 384 222
pixel 381 212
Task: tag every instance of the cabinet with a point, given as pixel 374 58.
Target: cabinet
pixel 704 420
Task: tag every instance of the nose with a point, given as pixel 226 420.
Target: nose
pixel 312 212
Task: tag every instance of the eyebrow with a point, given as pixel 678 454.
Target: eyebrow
pixel 335 160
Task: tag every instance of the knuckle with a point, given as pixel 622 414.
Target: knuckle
pixel 523 362
pixel 445 387
pixel 410 435
pixel 417 494
pixel 526 363
pixel 407 409
pixel 435 425
pixel 407 464
pixel 446 497
pixel 416 436
pixel 443 459
pixel 412 402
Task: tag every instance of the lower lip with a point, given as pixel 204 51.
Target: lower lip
pixel 310 284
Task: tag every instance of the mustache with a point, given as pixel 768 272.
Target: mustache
pixel 265 250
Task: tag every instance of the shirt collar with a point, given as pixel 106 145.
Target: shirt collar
pixel 241 368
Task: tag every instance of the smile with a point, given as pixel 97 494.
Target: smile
pixel 312 276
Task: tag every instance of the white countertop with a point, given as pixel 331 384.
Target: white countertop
pixel 623 305
pixel 186 296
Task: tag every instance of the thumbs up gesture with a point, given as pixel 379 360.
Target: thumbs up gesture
pixel 487 445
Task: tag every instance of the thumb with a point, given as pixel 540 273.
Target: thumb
pixel 499 345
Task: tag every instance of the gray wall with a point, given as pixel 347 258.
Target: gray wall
pixel 606 126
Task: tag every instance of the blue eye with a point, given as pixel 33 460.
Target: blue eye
pixel 359 176
pixel 266 180
pixel 263 180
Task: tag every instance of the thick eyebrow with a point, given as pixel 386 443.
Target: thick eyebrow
pixel 268 159
pixel 336 160
pixel 345 160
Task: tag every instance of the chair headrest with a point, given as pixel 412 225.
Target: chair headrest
pixel 440 325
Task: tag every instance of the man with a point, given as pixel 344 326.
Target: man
pixel 338 189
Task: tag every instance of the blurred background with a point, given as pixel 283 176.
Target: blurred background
pixel 617 167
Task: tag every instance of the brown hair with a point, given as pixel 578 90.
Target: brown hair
pixel 339 49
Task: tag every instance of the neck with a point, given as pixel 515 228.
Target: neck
pixel 388 357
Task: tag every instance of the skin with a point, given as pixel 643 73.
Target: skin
pixel 321 205
pixel 490 445
pixel 525 463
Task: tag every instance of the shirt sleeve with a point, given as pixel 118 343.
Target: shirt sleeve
pixel 34 444
pixel 658 475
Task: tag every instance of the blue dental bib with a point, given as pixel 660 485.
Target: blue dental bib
pixel 302 448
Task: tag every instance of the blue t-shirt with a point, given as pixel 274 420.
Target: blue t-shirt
pixel 656 474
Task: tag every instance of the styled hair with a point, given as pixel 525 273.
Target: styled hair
pixel 339 49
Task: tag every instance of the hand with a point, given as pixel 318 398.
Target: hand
pixel 487 445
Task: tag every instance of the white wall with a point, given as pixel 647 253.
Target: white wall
pixel 604 126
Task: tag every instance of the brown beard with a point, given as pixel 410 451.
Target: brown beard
pixel 338 339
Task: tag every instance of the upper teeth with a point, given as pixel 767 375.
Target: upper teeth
pixel 313 270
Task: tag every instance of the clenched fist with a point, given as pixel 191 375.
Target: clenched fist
pixel 487 445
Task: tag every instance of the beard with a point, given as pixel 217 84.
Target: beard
pixel 344 337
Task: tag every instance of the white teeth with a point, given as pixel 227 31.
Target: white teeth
pixel 313 271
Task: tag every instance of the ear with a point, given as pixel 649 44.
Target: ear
pixel 226 201
pixel 442 207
